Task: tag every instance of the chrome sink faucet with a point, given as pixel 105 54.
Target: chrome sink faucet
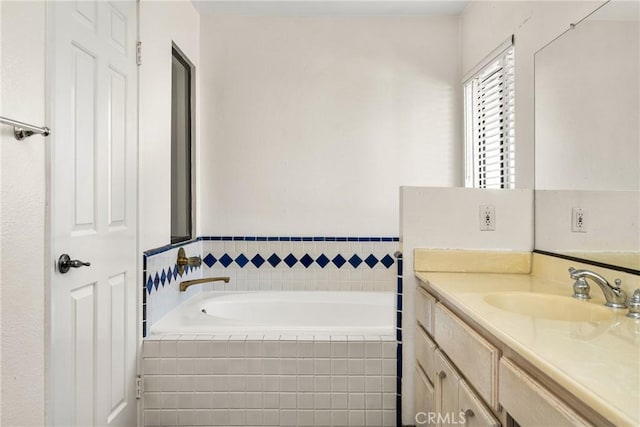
pixel 614 295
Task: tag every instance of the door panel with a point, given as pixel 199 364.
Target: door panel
pixel 93 336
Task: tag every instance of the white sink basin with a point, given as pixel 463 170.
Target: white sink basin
pixel 548 306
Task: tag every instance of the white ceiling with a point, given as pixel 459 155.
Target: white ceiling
pixel 330 7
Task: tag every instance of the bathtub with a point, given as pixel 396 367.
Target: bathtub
pixel 298 313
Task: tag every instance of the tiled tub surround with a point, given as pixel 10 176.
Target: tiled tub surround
pixel 160 292
pixel 301 263
pixel 262 380
pixel 269 263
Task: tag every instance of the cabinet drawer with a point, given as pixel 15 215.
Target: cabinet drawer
pixel 424 393
pixel 474 356
pixel 425 352
pixel 531 404
pixel 475 413
pixel 424 309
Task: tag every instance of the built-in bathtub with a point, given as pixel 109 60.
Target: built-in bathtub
pixel 301 358
pixel 282 313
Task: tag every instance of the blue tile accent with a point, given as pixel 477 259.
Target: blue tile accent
pixel 241 260
pixel 274 260
pixel 399 319
pixel 296 239
pixel 322 261
pixel 355 261
pixel 371 261
pixel 352 239
pixel 257 260
pixel 272 239
pixel 250 239
pixel 156 281
pixel 330 239
pixel 163 278
pixel 306 260
pixel 226 238
pixel 175 271
pixel 341 239
pixel 399 302
pixel 284 239
pixel 399 335
pixel 210 260
pixel 338 260
pixel 399 285
pixel 387 261
pixel 262 239
pixel 226 260
pixel 318 239
pixel 290 260
pixel 238 238
pixel 169 275
pixel 149 284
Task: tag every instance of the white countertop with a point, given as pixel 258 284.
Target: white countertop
pixel 598 362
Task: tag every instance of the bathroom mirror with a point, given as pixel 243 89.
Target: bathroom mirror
pixel 587 139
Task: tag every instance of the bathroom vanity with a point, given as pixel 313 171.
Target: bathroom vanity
pixel 494 348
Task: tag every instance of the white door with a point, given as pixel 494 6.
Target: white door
pixel 93 89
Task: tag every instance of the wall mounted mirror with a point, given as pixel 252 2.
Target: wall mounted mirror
pixel 587 139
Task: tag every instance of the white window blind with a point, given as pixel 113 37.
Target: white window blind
pixel 489 122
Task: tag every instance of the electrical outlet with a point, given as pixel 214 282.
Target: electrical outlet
pixel 578 220
pixel 487 218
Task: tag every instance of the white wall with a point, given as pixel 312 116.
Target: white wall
pixel 448 218
pixel 310 124
pixel 588 108
pixel 22 203
pixel 161 23
pixel 486 24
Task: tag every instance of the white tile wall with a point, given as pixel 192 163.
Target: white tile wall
pixel 167 296
pixel 269 381
pixel 315 277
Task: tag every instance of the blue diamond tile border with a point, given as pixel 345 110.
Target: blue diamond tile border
pixel 290 260
pixel 338 261
pixel 209 260
pixel 306 260
pixel 355 261
pixel 163 277
pixel 226 260
pixel 371 261
pixel 274 260
pixel 257 261
pixel 242 260
pixel 322 261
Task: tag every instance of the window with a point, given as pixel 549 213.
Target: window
pixel 489 122
pixel 181 176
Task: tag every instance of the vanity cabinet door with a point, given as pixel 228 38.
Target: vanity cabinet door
pixel 425 352
pixel 424 394
pixel 475 413
pixel 425 304
pixel 474 356
pixel 446 388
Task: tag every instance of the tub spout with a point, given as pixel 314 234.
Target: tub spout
pixel 184 285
